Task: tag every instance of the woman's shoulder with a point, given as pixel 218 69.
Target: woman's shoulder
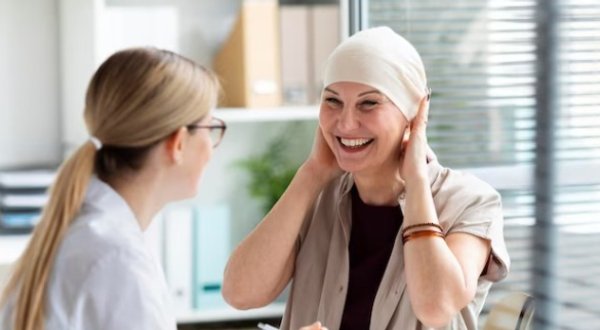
pixel 459 183
pixel 461 197
pixel 92 241
pixel 322 214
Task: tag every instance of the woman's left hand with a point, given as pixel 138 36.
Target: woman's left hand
pixel 415 150
pixel 314 326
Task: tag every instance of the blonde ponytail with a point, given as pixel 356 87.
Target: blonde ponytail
pixel 32 271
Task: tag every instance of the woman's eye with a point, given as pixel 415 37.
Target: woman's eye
pixel 368 104
pixel 332 101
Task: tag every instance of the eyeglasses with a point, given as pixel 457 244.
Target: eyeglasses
pixel 216 130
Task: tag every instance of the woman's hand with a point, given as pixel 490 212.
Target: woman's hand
pixel 415 150
pixel 321 162
pixel 314 326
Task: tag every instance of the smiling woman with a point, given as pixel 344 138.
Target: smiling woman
pixel 372 230
pixel 362 127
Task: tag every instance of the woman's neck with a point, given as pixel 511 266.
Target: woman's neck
pixel 381 188
pixel 142 193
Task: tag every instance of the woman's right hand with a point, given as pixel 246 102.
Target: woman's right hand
pixel 321 162
pixel 314 326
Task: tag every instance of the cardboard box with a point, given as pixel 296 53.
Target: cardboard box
pixel 248 64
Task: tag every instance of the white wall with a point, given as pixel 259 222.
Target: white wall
pixel 29 89
pixel 90 30
pixel 203 24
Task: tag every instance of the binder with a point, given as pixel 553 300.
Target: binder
pixel 295 43
pixel 30 200
pixel 19 221
pixel 212 245
pixel 26 179
pixel 178 255
pixel 248 64
pixel 309 33
pixel 23 195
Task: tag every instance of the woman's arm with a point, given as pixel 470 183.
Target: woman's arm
pixel 441 274
pixel 263 264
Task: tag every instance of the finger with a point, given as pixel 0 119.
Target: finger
pixel 431 156
pixel 420 120
pixel 405 137
pixel 319 134
pixel 404 142
pixel 319 141
pixel 314 326
pixel 419 124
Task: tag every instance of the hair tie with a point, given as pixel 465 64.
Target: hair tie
pixel 96 142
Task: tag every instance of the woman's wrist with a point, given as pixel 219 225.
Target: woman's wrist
pixel 419 203
pixel 416 183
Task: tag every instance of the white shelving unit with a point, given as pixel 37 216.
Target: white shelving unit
pixel 11 248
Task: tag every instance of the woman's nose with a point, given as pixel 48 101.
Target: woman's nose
pixel 348 119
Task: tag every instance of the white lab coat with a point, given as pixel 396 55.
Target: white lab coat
pixel 103 276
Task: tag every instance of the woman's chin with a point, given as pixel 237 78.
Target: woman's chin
pixel 351 167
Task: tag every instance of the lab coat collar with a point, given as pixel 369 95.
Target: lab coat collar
pixel 102 198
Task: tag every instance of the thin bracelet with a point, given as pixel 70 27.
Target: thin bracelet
pixel 428 224
pixel 421 233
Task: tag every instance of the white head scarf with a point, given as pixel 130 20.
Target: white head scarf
pixel 384 60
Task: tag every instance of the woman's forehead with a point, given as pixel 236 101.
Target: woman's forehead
pixel 344 87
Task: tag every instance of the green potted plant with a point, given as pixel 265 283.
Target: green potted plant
pixel 270 172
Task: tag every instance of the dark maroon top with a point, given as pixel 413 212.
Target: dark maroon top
pixel 374 231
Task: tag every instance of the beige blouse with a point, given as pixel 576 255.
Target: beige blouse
pixel 463 203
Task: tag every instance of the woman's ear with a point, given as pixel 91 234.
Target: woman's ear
pixel 175 145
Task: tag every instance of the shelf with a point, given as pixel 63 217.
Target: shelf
pixel 227 313
pixel 285 113
pixel 12 246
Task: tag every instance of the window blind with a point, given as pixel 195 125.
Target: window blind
pixel 577 211
pixel 480 57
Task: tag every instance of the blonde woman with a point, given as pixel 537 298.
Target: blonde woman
pixel 148 113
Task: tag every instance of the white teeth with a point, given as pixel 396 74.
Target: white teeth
pixel 354 142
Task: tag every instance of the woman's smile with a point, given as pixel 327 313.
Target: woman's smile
pixel 354 144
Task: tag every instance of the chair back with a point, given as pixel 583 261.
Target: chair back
pixel 513 312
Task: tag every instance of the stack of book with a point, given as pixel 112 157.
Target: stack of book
pixel 23 194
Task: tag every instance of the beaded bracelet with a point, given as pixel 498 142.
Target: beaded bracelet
pixel 421 233
pixel 428 224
